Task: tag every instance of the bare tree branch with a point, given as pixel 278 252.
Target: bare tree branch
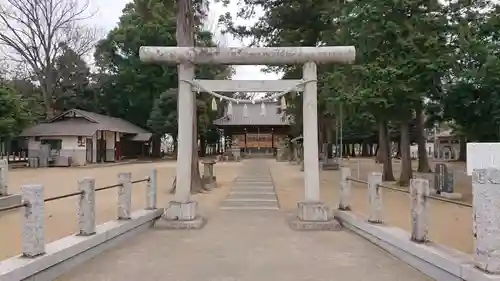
pixel 34 32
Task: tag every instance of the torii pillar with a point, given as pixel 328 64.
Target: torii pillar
pixel 311 210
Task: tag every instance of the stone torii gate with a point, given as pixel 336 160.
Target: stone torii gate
pixel 311 210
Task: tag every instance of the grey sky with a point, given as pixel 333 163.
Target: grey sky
pixel 109 11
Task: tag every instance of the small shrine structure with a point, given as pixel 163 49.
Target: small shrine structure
pixel 256 129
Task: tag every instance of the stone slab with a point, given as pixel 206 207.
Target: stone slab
pixel 436 261
pixel 250 200
pixel 67 253
pixel 249 204
pixel 250 188
pixel 250 208
pixel 10 200
pixel 330 166
pixel 238 182
pixel 255 196
pixel 260 188
pixel 331 225
pixel 166 224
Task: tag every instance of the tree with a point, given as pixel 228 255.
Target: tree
pixel 13 115
pixel 35 33
pixel 73 89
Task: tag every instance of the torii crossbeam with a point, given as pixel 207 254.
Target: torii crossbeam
pixel 311 210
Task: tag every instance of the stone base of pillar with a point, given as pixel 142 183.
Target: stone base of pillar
pixel 181 215
pixel 447 195
pixel 9 200
pixel 330 165
pixel 209 182
pixel 313 216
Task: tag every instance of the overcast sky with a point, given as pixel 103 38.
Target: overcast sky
pixel 109 11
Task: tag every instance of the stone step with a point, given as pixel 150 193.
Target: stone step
pixel 269 189
pixel 253 180
pixel 262 186
pixel 260 183
pixel 250 200
pixel 247 204
pixel 254 196
pixel 250 208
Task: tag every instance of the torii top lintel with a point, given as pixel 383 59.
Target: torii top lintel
pixel 248 55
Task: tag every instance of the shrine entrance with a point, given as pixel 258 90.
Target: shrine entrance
pixel 311 210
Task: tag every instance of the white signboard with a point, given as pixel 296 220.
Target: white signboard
pixel 482 155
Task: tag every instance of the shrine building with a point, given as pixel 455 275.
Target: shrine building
pixel 255 128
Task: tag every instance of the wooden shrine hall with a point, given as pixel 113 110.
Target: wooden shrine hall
pixel 255 128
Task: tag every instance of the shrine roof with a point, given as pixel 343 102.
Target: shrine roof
pixel 273 115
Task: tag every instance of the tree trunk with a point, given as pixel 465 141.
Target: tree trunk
pixel 378 155
pixel 398 149
pixel 185 38
pixel 203 146
pixel 406 171
pixel 365 149
pixel 156 146
pixel 383 151
pixel 423 160
pixel 462 155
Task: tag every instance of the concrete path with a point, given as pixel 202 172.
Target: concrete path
pixel 253 189
pixel 239 245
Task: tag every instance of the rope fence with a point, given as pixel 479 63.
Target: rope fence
pixel 419 193
pixel 464 204
pixel 33 201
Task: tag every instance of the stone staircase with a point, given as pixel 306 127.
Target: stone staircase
pixel 253 189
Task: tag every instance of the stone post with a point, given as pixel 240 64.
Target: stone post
pixel 86 207
pixel 33 232
pixel 419 194
pixel 208 174
pixel 4 180
pixel 124 195
pixel 375 197
pixel 486 219
pixel 310 129
pixel 151 194
pixel 345 189
pixel 185 137
pixel 312 214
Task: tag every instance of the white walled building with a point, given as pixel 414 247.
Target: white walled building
pixel 87 137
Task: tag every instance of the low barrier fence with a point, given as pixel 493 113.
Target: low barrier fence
pixel 486 210
pixel 33 203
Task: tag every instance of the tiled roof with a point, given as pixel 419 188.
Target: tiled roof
pixel 272 117
pixel 85 123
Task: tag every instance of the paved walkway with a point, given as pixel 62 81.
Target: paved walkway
pixel 246 244
pixel 253 189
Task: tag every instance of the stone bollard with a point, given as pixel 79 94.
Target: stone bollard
pixel 486 219
pixel 4 180
pixel 208 178
pixel 86 207
pixel 345 189
pixel 124 195
pixel 151 196
pixel 33 232
pixel 419 194
pixel 375 197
